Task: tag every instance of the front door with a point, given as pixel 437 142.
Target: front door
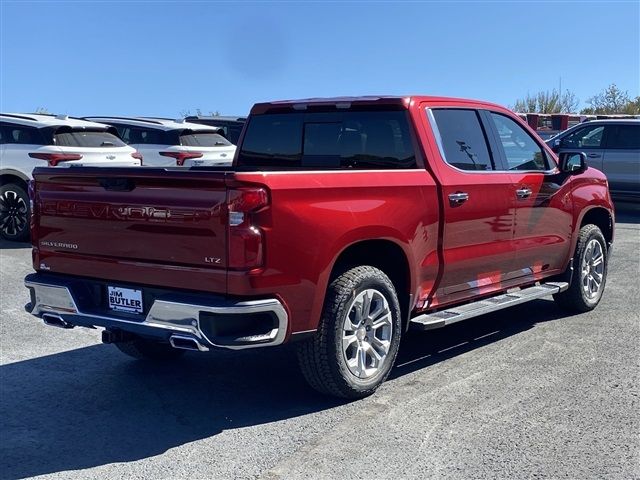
pixel 477 206
pixel 542 199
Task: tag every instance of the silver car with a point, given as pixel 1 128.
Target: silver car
pixel 613 147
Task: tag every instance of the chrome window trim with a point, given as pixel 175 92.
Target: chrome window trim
pixel 436 132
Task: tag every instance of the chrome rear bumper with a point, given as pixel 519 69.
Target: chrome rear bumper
pixel 179 315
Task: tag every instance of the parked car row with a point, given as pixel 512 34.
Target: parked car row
pixel 168 143
pixel 31 140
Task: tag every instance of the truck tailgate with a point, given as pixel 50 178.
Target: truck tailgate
pixel 151 226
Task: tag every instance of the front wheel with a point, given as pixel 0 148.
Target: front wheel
pixel 590 272
pixel 357 341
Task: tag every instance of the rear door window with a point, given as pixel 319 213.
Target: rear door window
pixel 463 139
pixel 87 139
pixel 21 135
pixel 329 140
pixel 624 137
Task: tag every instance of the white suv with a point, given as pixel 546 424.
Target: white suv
pixel 169 143
pixel 28 141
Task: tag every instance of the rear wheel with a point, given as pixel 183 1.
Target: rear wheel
pixel 357 341
pixel 144 349
pixel 14 213
pixel 590 272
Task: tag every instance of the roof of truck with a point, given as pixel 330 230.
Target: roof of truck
pixel 346 102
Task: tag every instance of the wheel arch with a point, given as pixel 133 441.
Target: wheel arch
pixel 14 176
pixel 602 218
pixel 386 255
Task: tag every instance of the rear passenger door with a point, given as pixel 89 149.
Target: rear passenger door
pixel 621 162
pixel 477 206
pixel 541 197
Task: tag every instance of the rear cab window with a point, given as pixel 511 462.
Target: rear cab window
pixel 328 140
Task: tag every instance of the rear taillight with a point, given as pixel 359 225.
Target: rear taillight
pixel 55 158
pixel 245 240
pixel 181 156
pixel 137 156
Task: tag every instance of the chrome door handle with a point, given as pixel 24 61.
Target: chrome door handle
pixel 523 192
pixel 593 155
pixel 458 198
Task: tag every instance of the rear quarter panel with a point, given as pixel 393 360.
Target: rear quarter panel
pixel 314 216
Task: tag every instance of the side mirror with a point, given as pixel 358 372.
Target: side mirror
pixel 555 145
pixel 573 162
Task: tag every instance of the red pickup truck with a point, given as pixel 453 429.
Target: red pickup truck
pixel 342 224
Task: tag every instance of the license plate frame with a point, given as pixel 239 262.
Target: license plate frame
pixel 125 300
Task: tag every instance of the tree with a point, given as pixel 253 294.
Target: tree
pixel 187 112
pixel 612 100
pixel 633 107
pixel 548 102
pixel 43 111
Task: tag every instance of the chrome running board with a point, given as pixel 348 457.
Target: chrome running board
pixel 451 315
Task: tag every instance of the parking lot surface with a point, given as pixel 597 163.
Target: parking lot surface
pixel 526 392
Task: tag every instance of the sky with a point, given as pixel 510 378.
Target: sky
pixel 166 58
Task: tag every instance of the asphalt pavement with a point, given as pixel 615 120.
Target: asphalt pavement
pixel 528 392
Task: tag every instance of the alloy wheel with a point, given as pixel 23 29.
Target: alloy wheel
pixel 592 272
pixel 367 333
pixel 13 213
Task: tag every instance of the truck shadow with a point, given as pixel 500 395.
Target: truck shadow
pixel 7 245
pixel 92 406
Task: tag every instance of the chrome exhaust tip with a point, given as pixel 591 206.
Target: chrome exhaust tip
pixel 55 321
pixel 184 342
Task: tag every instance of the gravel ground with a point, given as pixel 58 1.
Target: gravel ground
pixel 524 393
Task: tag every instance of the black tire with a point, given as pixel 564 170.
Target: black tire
pixel 322 360
pixel 576 298
pixel 143 349
pixel 14 213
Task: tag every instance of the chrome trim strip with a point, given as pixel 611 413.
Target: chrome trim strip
pixel 436 134
pixel 173 316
